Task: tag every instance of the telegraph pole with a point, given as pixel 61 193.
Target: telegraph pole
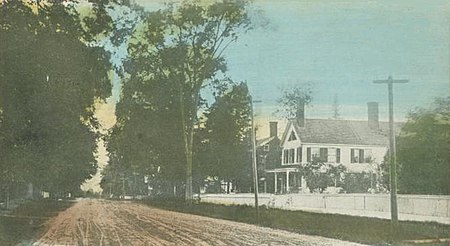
pixel 123 186
pixel 254 166
pixel 392 158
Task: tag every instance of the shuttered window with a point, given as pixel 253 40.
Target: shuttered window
pixel 323 156
pixel 338 155
pixel 285 156
pixel 308 154
pixel 299 155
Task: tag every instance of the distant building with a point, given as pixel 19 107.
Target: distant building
pixel 268 152
pixel 358 145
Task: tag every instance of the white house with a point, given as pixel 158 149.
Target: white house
pixel 358 145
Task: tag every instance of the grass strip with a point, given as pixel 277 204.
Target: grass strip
pixel 365 230
pixel 27 221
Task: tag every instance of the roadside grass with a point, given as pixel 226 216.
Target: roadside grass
pixel 27 221
pixel 350 228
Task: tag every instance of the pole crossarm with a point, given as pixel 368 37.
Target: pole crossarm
pixel 390 80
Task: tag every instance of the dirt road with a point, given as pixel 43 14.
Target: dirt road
pixel 102 222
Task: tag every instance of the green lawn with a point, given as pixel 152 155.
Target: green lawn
pixel 357 229
pixel 26 222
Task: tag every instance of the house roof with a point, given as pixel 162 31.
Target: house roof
pixel 261 142
pixel 341 132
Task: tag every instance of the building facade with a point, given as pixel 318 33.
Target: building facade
pixel 360 146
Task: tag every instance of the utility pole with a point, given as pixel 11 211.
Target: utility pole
pixel 254 166
pixel 392 158
pixel 123 186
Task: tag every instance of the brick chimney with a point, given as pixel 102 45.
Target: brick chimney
pixel 273 127
pixel 300 114
pixel 372 113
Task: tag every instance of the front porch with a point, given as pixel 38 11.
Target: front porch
pixel 284 180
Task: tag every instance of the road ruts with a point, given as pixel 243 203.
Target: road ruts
pixel 104 222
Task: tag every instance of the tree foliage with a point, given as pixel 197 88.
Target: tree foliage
pixel 423 151
pixel 293 99
pixel 49 82
pixel 173 55
pixel 320 175
pixel 360 182
pixel 223 145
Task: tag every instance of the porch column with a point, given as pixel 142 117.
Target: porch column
pixel 276 182
pixel 287 181
pixel 303 181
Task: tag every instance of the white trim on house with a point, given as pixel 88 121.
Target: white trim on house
pixel 286 171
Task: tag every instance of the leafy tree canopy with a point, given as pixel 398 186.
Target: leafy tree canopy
pixel 49 82
pixel 423 150
pixel 223 145
pixel 175 53
pixel 293 99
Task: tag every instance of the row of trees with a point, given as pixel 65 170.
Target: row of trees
pixel 174 54
pixel 53 72
pixel 51 76
pixel 148 143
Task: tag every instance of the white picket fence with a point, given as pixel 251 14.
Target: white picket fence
pixel 410 207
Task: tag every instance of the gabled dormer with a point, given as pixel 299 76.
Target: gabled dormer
pixel 291 145
pixel 290 136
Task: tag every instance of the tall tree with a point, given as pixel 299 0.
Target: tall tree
pixel 50 79
pixel 147 138
pixel 423 150
pixel 182 47
pixel 224 141
pixel 293 100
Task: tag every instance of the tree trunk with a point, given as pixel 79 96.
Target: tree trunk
pixel 188 191
pixel 187 119
pixel 7 197
pixel 187 139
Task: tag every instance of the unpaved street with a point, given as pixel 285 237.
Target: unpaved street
pixel 102 222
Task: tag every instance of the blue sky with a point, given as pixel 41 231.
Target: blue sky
pixel 341 47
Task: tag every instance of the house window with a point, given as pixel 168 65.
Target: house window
pixel 323 155
pixel 361 155
pixel 320 154
pixel 354 156
pixel 288 156
pixel 358 156
pixel 315 153
pixel 299 155
pixel 285 156
pixel 266 147
pixel 291 155
pixel 292 137
pixel 368 156
pixel 338 155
